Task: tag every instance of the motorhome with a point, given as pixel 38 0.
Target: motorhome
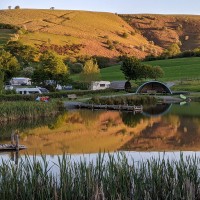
pixel 99 85
pixel 20 81
pixel 28 91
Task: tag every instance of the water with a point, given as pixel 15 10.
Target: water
pixel 163 128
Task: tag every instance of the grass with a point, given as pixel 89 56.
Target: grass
pixel 115 178
pixel 175 69
pixel 27 110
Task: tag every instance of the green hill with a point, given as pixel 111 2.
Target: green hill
pixel 175 69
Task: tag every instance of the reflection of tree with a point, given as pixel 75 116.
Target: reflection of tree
pixel 59 121
pixel 131 120
pixel 24 125
pixel 173 120
pixel 89 116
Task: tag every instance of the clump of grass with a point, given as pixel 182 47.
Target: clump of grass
pixel 11 111
pixel 115 178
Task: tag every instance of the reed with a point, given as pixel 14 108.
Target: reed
pixel 11 111
pixel 130 100
pixel 114 178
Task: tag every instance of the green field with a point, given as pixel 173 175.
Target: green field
pixel 175 69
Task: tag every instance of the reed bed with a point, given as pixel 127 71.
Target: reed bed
pixel 115 178
pixel 11 111
pixel 124 100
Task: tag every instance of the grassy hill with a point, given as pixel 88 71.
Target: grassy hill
pixel 102 34
pixel 166 29
pixel 175 69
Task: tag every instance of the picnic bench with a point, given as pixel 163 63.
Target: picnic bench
pixel 71 96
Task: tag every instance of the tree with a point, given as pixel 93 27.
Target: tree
pixel 156 72
pixel 90 72
pixel 17 7
pixel 27 72
pixel 131 67
pixel 172 50
pixel 8 64
pixel 53 67
pixel 24 53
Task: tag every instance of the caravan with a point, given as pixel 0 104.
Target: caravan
pixel 99 85
pixel 28 91
pixel 20 81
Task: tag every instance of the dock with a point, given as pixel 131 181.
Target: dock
pixel 11 147
pixel 14 146
pixel 111 107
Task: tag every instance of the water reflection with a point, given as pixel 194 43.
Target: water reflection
pixel 172 127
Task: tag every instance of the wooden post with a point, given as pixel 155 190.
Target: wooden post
pixel 13 138
pixel 17 142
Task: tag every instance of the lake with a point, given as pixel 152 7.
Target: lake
pixel 161 128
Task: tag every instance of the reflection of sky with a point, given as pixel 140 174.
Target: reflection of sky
pixel 53 162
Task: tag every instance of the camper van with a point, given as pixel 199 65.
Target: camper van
pixel 99 85
pixel 28 91
pixel 20 81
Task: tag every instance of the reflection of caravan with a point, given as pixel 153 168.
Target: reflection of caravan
pixel 28 91
pixel 20 81
pixel 99 85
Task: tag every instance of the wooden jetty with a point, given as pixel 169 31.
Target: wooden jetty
pixel 11 147
pixel 14 146
pixel 111 107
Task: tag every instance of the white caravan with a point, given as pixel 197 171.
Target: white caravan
pixel 99 85
pixel 28 91
pixel 20 81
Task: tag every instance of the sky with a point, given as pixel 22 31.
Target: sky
pixel 115 6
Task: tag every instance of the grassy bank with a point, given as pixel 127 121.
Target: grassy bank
pixel 12 111
pixel 174 69
pixel 124 100
pixel 115 178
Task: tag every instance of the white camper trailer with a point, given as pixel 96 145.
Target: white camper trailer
pixel 20 81
pixel 100 85
pixel 28 91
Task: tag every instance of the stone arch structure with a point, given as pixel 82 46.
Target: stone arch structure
pixel 154 87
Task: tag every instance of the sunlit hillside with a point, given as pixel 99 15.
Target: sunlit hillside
pixel 102 34
pixel 164 30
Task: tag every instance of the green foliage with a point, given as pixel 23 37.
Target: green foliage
pixel 172 50
pixel 90 72
pixel 156 72
pixel 25 54
pixel 52 67
pixel 76 68
pixel 27 72
pixel 8 64
pixel 131 68
pixel 102 61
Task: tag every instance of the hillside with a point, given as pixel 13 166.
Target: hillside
pixel 80 32
pixel 166 29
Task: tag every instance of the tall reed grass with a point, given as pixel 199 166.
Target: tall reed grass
pixel 115 178
pixel 10 111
